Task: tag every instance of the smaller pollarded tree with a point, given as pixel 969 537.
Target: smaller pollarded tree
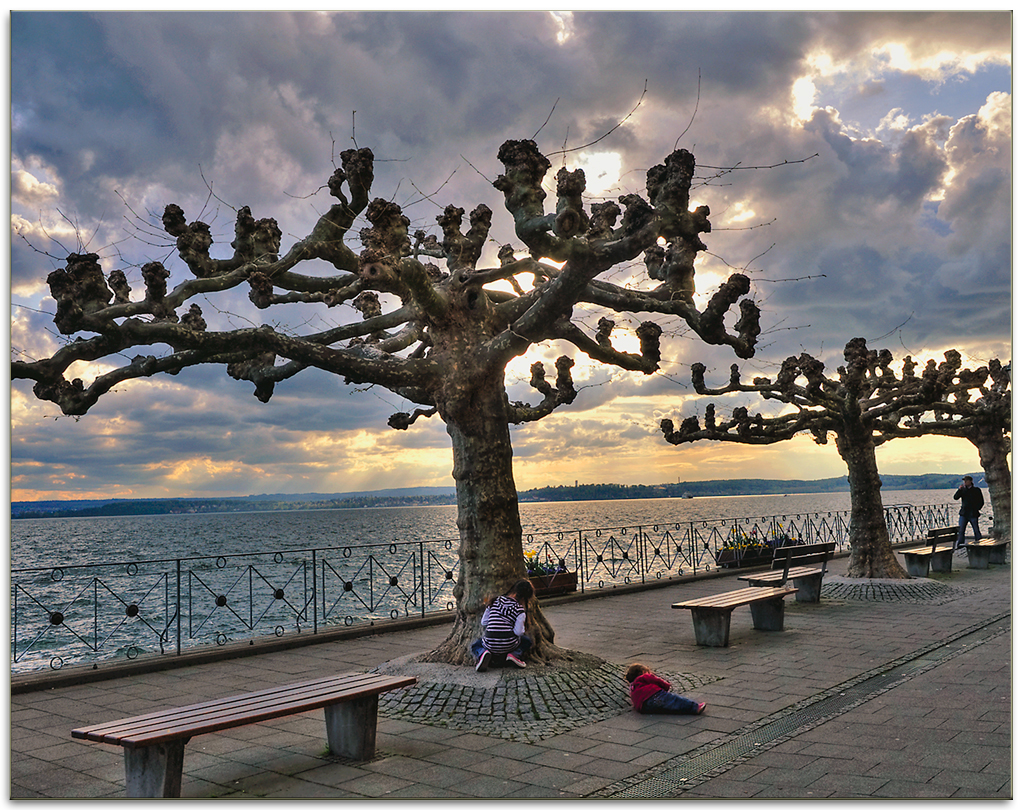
pixel 977 408
pixel 863 408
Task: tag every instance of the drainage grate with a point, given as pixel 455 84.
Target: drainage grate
pixel 682 773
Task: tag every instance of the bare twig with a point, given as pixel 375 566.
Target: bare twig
pixel 616 126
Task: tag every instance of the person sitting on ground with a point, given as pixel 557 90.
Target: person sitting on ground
pixel 651 694
pixel 504 633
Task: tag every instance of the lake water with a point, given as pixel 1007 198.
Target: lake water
pixel 48 542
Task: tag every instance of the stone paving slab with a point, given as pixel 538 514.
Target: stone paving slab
pixel 943 729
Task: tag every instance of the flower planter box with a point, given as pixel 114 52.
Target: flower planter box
pixel 555 584
pixel 747 558
pixel 728 558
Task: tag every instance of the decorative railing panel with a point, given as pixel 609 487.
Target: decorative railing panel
pixel 88 613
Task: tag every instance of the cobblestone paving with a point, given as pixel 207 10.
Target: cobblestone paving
pixel 525 705
pixel 893 590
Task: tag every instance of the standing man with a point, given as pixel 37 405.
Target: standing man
pixel 973 500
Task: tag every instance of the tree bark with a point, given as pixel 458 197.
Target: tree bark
pixel 872 553
pixel 489 528
pixel 994 460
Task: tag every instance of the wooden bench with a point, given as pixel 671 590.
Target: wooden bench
pixel 154 744
pixel 796 564
pixel 936 558
pixel 989 550
pixel 712 615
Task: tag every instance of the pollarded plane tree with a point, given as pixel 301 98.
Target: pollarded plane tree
pixel 445 341
pixel 862 408
pixel 978 407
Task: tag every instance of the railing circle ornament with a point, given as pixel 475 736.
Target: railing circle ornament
pixel 394 613
pixel 221 639
pixel 131 611
pixel 348 586
pixel 450 605
pixel 349 621
pixel 221 600
pixel 279 593
pixel 392 549
pixel 56 618
pixel 132 653
pixel 279 630
pixel 393 581
pixel 131 569
pixel 221 562
pixel 561 536
pixel 449 575
pixel 56 662
pixel 57 574
pixel 278 557
pixel 659 574
pixel 628 580
pixel 681 571
pixel 346 552
pixel 600 584
pixel 447 545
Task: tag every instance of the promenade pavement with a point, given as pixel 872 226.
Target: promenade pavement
pixel 885 689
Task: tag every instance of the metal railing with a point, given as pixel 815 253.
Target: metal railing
pixel 102 611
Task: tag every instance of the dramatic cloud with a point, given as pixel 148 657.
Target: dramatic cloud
pixel 886 214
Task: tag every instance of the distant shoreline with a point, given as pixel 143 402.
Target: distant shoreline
pixel 445 496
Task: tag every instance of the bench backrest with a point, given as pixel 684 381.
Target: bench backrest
pixel 940 535
pixel 786 557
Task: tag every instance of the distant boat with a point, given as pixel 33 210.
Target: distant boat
pixel 686 495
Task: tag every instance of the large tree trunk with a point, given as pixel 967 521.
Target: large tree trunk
pixel 994 459
pixel 872 553
pixel 489 528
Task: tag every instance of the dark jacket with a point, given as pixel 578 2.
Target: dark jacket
pixel 972 498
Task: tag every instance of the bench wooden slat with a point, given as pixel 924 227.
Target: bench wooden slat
pixel 277 692
pixel 776 576
pixel 733 599
pixel 927 550
pixel 988 541
pixel 177 710
pixel 237 710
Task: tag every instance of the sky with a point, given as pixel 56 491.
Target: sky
pixel 872 199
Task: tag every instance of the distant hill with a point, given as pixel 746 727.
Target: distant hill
pixel 440 496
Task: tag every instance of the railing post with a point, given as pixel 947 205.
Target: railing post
pixel 581 560
pixel 422 580
pixel 315 614
pixel 178 598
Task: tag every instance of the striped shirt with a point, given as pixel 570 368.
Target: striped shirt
pixel 505 621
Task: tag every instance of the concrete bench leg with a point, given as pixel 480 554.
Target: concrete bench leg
pixel 809 588
pixel 997 556
pixel 711 626
pixel 941 562
pixel 917 564
pixel 352 727
pixel 978 556
pixel 769 615
pixel 154 771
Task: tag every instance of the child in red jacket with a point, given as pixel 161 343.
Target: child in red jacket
pixel 652 694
